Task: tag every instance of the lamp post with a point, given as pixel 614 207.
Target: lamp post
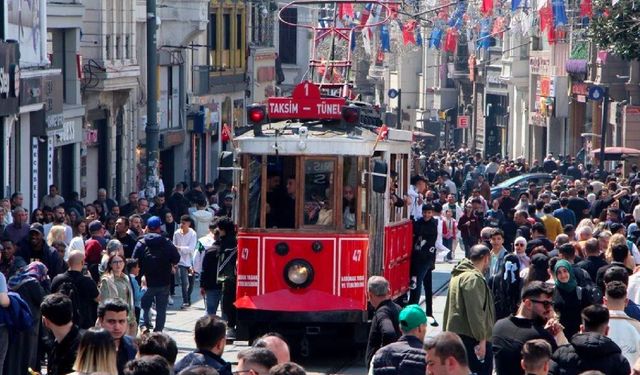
pixel 151 130
pixel 603 135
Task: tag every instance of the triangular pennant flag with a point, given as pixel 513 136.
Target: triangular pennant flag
pixel 418 37
pixel 487 7
pixel 546 17
pixel 435 39
pixel 364 15
pixel 385 42
pixel 515 4
pixel 450 40
pixel 559 13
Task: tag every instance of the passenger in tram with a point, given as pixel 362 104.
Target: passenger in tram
pixel 287 211
pixel 349 207
pixel 276 195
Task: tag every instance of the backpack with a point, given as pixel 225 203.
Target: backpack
pixel 69 289
pixel 18 315
pixel 589 293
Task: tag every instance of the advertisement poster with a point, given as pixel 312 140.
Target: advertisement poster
pixel 27 24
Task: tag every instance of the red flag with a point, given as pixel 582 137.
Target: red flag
pixel 364 15
pixel 586 9
pixel 345 9
pixel 450 40
pixel 409 32
pixel 226 133
pixel 546 17
pixel 487 7
pixel 393 11
pixel 383 132
pixel 551 34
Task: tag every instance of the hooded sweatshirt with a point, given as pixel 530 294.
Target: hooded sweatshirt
pixel 202 219
pixel 469 309
pixel 156 255
pixel 589 351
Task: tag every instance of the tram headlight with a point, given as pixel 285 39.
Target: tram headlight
pixel 298 273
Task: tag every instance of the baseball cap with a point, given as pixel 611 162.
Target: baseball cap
pixel 154 222
pixel 95 226
pixel 412 317
pixel 36 227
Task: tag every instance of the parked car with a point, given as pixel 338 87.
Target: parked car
pixel 520 184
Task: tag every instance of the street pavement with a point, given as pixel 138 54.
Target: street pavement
pixel 180 325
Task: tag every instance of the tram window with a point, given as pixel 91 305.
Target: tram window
pixel 253 195
pixel 281 192
pixel 349 192
pixel 318 192
pixel 363 223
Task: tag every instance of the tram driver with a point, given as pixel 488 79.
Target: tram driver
pixel 288 213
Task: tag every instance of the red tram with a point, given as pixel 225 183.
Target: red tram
pixel 316 220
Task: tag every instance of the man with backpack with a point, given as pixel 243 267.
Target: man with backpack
pixel 81 289
pixel 157 255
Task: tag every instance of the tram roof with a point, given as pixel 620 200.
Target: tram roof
pixel 322 138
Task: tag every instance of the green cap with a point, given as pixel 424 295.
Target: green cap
pixel 412 317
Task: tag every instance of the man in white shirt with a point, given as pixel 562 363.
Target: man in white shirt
pixel 623 330
pixel 185 240
pixel 416 196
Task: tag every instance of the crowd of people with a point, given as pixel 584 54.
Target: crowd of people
pixel 85 288
pixel 549 283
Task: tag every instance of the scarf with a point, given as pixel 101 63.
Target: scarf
pixel 570 285
pixel 35 270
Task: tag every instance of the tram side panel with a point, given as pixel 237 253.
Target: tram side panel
pixel 397 256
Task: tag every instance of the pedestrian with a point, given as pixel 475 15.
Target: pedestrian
pixel 185 240
pixel 96 353
pixel 4 331
pixel 227 271
pixel 201 218
pixel 125 236
pixel 158 343
pixel 113 317
pixel 446 355
pixel 210 338
pixel 288 368
pixel 469 309
pixel 534 319
pixel 80 288
pixel 623 330
pixel 536 355
pixel 19 227
pixel 276 343
pixel 157 256
pixel 405 356
pixel 148 365
pixel 57 318
pixel 385 327
pixel 590 349
pixel 427 242
pixel 115 283
pixel 568 299
pixel 35 249
pixel 10 263
pixel 32 284
pixel 256 361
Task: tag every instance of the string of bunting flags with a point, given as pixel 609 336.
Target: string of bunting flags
pixel 479 22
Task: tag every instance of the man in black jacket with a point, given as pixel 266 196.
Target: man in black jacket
pixel 385 328
pixel 57 313
pixel 157 255
pixel 593 262
pixel 406 356
pixel 590 349
pixel 509 334
pixel 35 248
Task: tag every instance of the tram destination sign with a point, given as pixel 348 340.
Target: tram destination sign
pixel 305 103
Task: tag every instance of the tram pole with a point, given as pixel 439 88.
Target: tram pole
pixel 399 120
pixel 151 130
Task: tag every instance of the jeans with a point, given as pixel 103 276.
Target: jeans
pixel 213 297
pixel 477 367
pixel 424 279
pixel 186 283
pixel 4 344
pixel 159 294
pixel 448 243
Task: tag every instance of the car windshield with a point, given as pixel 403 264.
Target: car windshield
pixel 510 182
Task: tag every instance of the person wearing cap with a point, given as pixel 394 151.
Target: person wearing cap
pixel 405 356
pixel 35 249
pixel 157 255
pixel 427 242
pixel 385 327
pixel 226 208
pixel 94 247
pixel 469 309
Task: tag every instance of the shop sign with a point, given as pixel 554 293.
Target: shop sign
pixel 49 161
pixel 546 87
pixel 541 65
pixel 463 122
pixel 26 23
pixel 91 137
pixel 9 78
pixel 69 133
pixel 34 172
pixel 579 88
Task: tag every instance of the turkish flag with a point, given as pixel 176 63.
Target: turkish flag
pixel 345 9
pixel 226 133
pixel 383 131
pixel 409 32
pixel 450 40
pixel 586 9
pixel 546 17
pixel 487 7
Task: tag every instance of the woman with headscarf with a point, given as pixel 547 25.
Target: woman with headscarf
pixel 519 247
pixel 568 298
pixel 32 284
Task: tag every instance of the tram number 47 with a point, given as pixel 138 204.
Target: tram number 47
pixel 244 254
pixel 357 255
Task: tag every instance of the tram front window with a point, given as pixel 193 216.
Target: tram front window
pixel 318 192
